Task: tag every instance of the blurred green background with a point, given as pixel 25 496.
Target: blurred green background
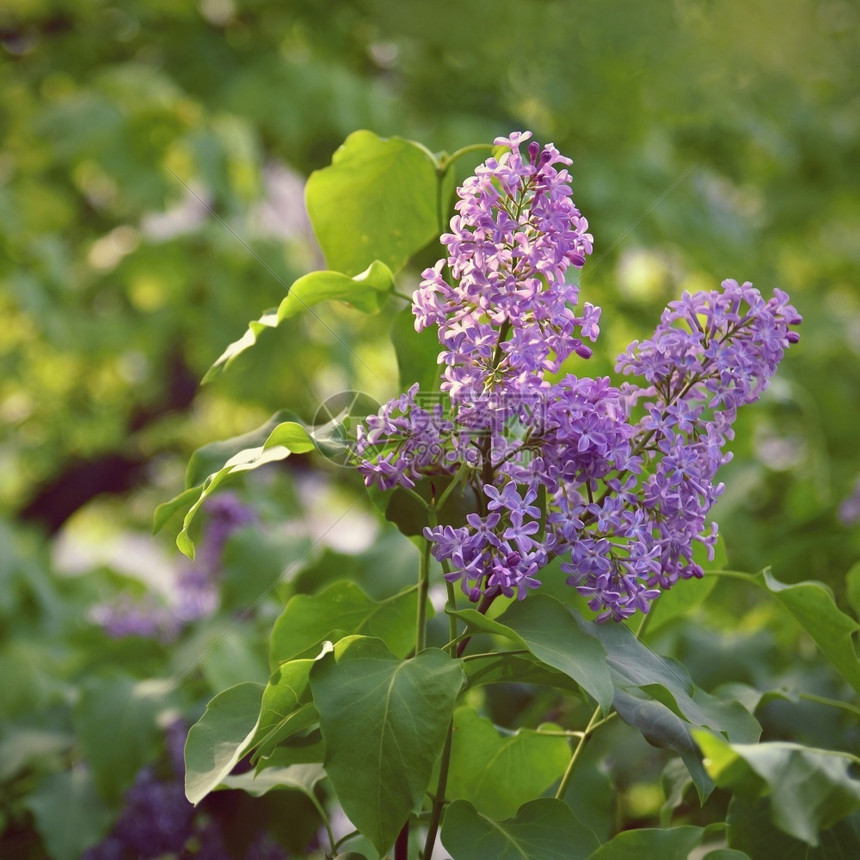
pixel 152 164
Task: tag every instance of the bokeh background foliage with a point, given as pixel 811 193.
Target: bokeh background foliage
pixel 152 168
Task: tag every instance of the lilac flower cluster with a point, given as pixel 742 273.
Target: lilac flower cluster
pixel 413 439
pixel 196 594
pixel 616 481
pixel 711 353
pixel 156 819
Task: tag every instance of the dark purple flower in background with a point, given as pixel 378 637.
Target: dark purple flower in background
pixel 146 616
pixel 175 735
pixel 616 481
pixel 156 820
pixel 849 509
pixel 196 594
pixel 227 514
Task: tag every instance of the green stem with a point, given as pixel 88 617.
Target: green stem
pixel 643 625
pixel 734 574
pixel 833 703
pixel 604 721
pixel 559 734
pixel 449 645
pixel 846 755
pixel 580 745
pixel 423 588
pixel 461 473
pixel 439 799
pixel 440 215
pixel 452 604
pixel 483 606
pixel 485 446
pixel 443 165
pixel 498 354
pixel 351 835
pixel 322 812
pixel 447 161
pixel 486 654
pixel 542 504
pixel 418 498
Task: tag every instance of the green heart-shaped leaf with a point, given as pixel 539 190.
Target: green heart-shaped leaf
pixel 384 722
pixel 499 773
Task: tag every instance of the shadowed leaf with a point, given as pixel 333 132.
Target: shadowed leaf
pixel 344 609
pixel 544 829
pixel 809 789
pixel 812 604
pixel 217 740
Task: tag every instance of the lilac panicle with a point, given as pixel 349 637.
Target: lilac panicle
pixel 616 481
pixel 156 820
pixel 711 353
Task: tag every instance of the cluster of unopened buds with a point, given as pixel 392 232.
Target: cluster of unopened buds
pixel 617 481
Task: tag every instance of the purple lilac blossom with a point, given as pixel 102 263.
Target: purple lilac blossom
pixel 408 439
pixel 617 481
pixel 509 317
pixel 712 353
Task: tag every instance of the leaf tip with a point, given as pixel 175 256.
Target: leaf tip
pixel 185 544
